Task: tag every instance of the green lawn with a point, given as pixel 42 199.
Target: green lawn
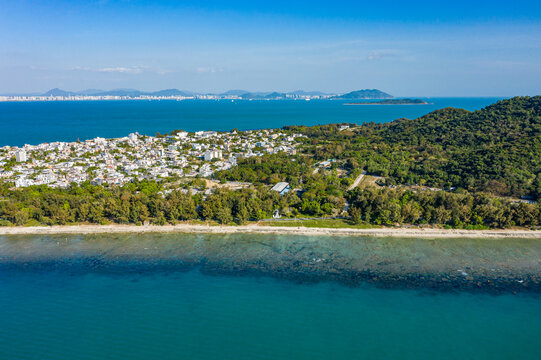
pixel 332 223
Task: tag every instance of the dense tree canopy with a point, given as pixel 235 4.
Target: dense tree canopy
pixel 496 149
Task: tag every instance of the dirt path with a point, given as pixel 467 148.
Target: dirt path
pixel 357 181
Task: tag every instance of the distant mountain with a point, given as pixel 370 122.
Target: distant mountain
pixel 121 92
pixel 254 95
pixel 306 93
pixel 364 94
pixel 275 95
pixel 234 93
pixel 250 95
pixel 243 94
pixel 58 92
pixel 89 92
pixel 263 96
pixel 171 92
pixel 94 92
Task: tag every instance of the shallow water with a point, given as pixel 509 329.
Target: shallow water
pixel 200 296
pixel 499 265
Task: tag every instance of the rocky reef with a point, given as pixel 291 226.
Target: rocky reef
pixel 490 265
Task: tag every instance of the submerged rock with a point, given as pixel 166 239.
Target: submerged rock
pixel 506 265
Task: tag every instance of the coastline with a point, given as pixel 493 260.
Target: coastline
pixel 261 229
pixel 359 104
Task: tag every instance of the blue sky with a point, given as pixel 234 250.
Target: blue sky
pixel 458 48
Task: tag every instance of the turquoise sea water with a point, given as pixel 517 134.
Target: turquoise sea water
pixel 37 122
pixel 175 296
pixel 194 316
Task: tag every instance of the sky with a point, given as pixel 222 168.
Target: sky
pixel 421 48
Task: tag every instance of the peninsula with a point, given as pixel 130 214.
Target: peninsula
pixel 448 170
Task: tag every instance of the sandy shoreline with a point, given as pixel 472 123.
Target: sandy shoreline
pixel 260 229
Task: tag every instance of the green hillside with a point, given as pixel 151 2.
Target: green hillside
pixel 496 149
pixel 364 94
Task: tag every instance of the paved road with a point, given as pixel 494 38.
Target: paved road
pixel 357 181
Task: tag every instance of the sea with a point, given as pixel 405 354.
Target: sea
pixel 254 296
pixel 37 122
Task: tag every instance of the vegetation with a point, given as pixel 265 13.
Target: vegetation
pixel 495 150
pixel 365 94
pixel 450 168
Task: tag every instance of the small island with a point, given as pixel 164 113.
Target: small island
pixel 366 94
pixel 391 102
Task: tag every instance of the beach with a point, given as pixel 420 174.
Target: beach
pixel 265 229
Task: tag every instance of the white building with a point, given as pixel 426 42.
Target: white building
pixel 281 187
pixel 205 170
pixel 58 164
pixel 182 135
pixel 213 154
pixel 23 182
pixel 20 156
pixel 133 136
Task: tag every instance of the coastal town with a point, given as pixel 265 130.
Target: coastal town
pixel 172 94
pixel 277 96
pixel 118 161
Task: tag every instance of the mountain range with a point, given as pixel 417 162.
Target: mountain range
pixel 117 92
pixel 354 95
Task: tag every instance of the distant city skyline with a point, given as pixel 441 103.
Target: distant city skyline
pixel 403 48
pixel 186 92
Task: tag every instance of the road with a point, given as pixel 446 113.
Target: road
pixel 357 181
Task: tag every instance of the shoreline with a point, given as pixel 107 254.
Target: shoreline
pixel 278 230
pixel 385 104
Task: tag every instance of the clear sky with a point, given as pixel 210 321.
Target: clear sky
pixel 422 48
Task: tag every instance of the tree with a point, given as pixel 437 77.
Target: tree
pixel 224 216
pixel 355 215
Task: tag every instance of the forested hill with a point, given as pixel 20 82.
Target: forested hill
pixel 517 120
pixel 496 149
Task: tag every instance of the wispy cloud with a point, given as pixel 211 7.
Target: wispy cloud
pixel 119 69
pixel 381 54
pixel 123 70
pixel 208 70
